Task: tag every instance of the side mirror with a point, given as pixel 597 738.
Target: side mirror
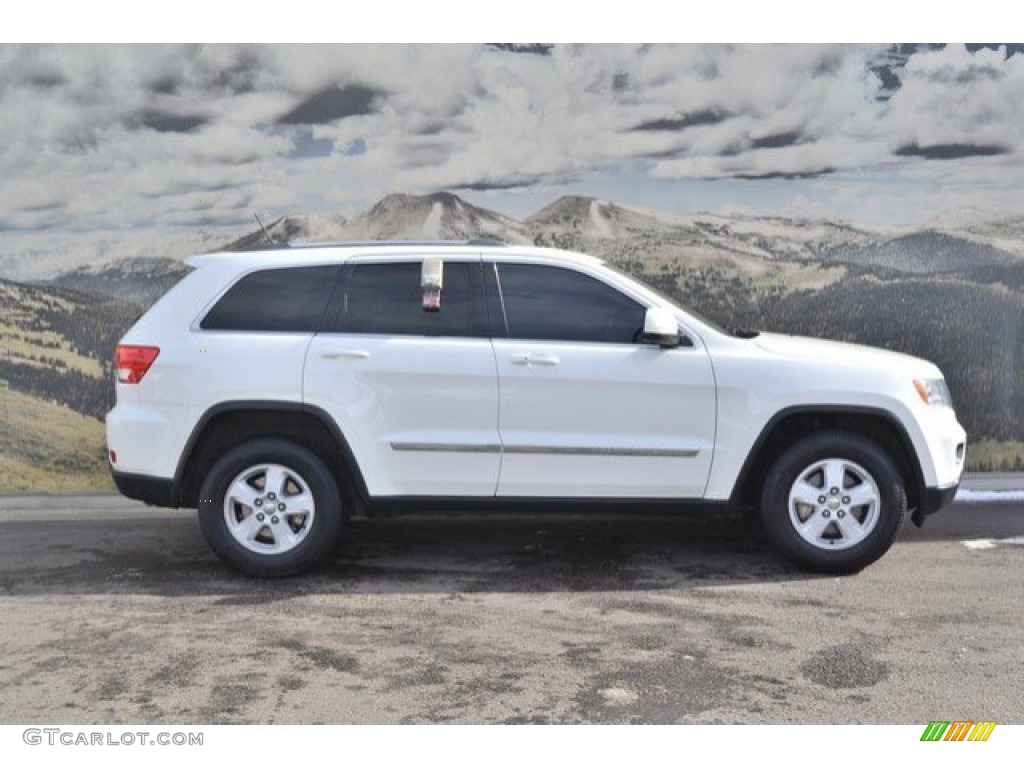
pixel 661 328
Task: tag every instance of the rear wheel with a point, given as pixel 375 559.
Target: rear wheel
pixel 833 502
pixel 270 508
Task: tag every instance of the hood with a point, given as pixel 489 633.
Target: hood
pixel 838 352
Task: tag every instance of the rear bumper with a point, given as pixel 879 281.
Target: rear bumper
pixel 148 440
pixel 933 500
pixel 155 491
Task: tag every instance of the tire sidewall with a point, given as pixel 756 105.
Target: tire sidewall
pixel 774 512
pixel 326 525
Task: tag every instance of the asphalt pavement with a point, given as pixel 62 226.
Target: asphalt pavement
pixel 116 613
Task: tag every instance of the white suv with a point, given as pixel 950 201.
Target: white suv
pixel 278 391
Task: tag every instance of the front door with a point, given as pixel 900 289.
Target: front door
pixel 586 409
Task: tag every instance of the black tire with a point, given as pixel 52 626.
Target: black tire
pixel 316 532
pixel 863 462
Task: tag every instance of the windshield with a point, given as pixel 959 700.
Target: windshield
pixel 671 301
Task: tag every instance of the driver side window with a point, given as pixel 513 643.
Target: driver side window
pixel 556 304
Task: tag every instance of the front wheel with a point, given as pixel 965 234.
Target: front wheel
pixel 833 502
pixel 270 508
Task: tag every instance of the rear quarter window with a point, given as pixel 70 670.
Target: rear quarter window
pixel 291 299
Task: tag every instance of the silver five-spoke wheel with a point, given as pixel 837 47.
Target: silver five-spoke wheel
pixel 834 504
pixel 269 508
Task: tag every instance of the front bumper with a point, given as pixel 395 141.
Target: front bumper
pixel 932 500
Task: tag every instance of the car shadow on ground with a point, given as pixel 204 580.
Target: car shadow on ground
pixel 168 556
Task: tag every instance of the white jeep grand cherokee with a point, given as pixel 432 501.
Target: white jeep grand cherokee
pixel 277 391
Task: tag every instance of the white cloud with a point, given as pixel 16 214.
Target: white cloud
pixel 77 156
pixel 952 97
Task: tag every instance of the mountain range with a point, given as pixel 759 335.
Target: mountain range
pixel 964 240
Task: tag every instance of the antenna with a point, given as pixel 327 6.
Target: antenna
pixel 266 234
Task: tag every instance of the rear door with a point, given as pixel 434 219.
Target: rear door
pixel 586 410
pixel 415 392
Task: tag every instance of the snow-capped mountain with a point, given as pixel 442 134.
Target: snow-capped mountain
pixel 587 217
pixel 441 215
pixel 292 228
pixel 776 237
pixel 584 221
pixel 438 216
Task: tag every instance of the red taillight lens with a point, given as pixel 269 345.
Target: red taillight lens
pixel 132 362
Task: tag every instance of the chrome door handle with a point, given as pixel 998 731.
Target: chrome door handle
pixel 543 360
pixel 337 354
pixel 529 360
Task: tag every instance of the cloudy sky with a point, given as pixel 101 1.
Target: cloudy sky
pixel 123 140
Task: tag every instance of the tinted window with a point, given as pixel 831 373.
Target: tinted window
pixel 292 299
pixel 544 302
pixel 388 299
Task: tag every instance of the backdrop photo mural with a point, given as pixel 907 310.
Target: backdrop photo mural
pixel 871 194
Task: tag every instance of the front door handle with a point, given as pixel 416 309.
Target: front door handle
pixel 531 360
pixel 338 354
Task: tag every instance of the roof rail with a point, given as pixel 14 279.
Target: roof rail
pixel 385 243
pixel 485 241
pixel 263 245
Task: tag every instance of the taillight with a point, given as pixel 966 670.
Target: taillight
pixel 132 362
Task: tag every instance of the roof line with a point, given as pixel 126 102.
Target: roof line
pixel 379 243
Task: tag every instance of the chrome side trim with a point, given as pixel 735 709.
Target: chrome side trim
pixel 447 447
pixel 547 450
pixel 560 450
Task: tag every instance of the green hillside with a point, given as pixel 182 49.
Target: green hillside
pixel 55 386
pixel 49 447
pixel 56 344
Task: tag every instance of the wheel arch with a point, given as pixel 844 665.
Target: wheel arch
pixel 228 424
pixel 791 424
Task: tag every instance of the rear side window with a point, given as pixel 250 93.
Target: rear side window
pixel 555 304
pixel 388 299
pixel 292 299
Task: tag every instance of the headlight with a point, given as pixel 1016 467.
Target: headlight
pixel 933 391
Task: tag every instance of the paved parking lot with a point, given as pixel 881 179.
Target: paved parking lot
pixel 117 613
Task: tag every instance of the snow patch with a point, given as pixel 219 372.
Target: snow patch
pixel 1017 541
pixel 979 544
pixel 969 496
pixel 432 224
pixel 600 223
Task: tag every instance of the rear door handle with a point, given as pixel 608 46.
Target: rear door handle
pixel 530 360
pixel 338 354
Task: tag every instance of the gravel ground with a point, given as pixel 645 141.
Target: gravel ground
pixel 117 613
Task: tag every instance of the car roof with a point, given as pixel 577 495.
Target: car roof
pixel 306 254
